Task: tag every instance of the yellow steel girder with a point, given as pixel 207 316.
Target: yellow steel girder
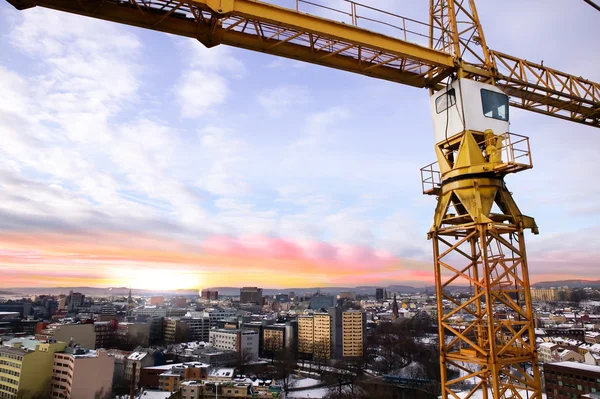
pixel 457 45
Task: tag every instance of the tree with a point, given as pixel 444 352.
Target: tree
pixel 244 358
pixel 102 395
pixel 285 365
pixel 321 354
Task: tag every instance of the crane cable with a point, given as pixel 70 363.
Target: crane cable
pixel 590 2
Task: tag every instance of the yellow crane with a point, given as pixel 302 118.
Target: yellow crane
pixel 477 233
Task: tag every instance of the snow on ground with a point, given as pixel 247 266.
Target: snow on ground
pixel 309 393
pixel 305 382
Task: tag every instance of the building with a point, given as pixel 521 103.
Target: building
pixel 75 300
pixel 353 333
pixel 157 300
pixel 170 380
pixel 244 342
pixel 568 380
pixel 348 330
pixel 544 294
pixel 176 331
pixel 216 314
pixel 104 333
pixel 320 301
pixel 141 360
pixel 23 307
pixel 351 295
pixel 251 295
pixel 198 327
pixel 379 294
pixel 314 335
pixel 80 373
pixel 131 335
pixel 282 298
pixel 27 372
pixel 179 302
pixel 216 357
pixel 229 389
pixel 280 336
pixel 120 359
pixel 209 295
pixel 83 335
pixel 154 312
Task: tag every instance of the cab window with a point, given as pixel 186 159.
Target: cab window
pixel 495 105
pixel 445 101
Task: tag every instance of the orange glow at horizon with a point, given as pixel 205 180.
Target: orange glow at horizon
pixel 147 262
pixel 152 263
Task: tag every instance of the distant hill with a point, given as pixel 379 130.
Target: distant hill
pixel 361 290
pixel 568 283
pixel 92 291
pixel 226 291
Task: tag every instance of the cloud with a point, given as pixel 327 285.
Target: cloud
pixel 199 92
pixel 280 99
pixel 204 84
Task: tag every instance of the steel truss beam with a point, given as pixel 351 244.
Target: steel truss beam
pixel 489 335
pixel 457 43
pixel 486 332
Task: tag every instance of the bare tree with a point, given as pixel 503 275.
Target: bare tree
pixel 286 363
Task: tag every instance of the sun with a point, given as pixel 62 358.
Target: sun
pixel 163 279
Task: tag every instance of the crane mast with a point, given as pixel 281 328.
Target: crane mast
pixel 478 230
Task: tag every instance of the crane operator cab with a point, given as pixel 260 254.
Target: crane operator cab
pixel 467 105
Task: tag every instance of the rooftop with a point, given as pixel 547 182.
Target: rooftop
pixel 137 356
pixel 14 351
pixel 223 372
pixel 578 366
pixel 28 344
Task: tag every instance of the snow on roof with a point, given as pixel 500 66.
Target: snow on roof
pixel 28 344
pixel 548 345
pixel 137 356
pixel 222 372
pixel 175 365
pixel 579 366
pixel 539 331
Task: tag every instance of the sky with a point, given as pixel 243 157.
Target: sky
pixel 136 158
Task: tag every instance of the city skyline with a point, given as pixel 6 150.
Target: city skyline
pixel 133 158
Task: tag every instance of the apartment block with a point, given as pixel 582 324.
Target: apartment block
pixel 280 336
pixel 80 373
pixel 175 331
pixel 241 341
pixel 251 295
pixel 27 372
pixel 353 333
pixel 209 295
pixel 314 335
pixel 216 314
pixel 568 380
pixel 544 294
pixel 199 327
pixel 141 360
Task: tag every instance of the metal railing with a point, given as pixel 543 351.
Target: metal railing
pixel 507 152
pixel 367 17
pixel 431 178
